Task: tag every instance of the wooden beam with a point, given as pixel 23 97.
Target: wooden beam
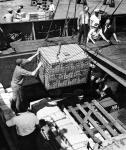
pixel 93 122
pixel 110 118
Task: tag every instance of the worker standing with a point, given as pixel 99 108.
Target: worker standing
pixel 95 18
pixel 9 16
pixel 51 10
pixel 18 78
pixel 83 24
pixel 19 14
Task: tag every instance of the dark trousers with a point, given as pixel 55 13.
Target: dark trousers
pixel 83 31
pixel 32 141
pixel 17 95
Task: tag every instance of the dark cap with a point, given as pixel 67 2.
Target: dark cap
pixel 19 61
pixel 21 6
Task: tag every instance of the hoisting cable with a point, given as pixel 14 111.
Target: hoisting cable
pixel 95 8
pixel 116 8
pixel 52 21
pixel 110 17
pixel 84 26
pixel 75 9
pixel 65 24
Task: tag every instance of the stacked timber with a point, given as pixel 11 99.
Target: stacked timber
pixel 63 66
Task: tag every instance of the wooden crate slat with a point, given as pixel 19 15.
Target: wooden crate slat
pixel 93 122
pixel 84 125
pixel 115 123
pixel 87 116
pixel 107 125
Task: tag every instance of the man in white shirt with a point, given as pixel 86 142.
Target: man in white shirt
pixel 83 24
pixel 95 34
pixel 9 16
pixel 95 19
pixel 51 10
pixel 25 123
pixel 95 31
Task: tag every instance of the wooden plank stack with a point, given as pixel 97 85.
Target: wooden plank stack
pixel 70 67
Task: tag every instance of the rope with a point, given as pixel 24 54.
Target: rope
pixel 116 7
pixel 52 21
pixel 75 9
pixel 66 22
pixel 95 8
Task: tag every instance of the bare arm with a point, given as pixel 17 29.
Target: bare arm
pixel 115 37
pixel 102 35
pixel 36 70
pixel 32 57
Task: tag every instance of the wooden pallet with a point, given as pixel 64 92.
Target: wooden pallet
pixel 94 119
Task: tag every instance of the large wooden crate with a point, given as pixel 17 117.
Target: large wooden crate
pixel 70 68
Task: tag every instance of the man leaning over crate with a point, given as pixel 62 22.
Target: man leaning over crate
pixel 18 78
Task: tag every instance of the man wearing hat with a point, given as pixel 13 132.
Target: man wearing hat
pixel 18 77
pixel 19 14
pixel 9 16
pixel 83 24
pixel 95 20
pixel 95 31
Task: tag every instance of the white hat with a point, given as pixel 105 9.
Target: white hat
pixel 86 8
pixel 97 10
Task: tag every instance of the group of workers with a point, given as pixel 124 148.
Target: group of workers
pixel 19 15
pixel 89 27
pixel 50 8
pixel 14 16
